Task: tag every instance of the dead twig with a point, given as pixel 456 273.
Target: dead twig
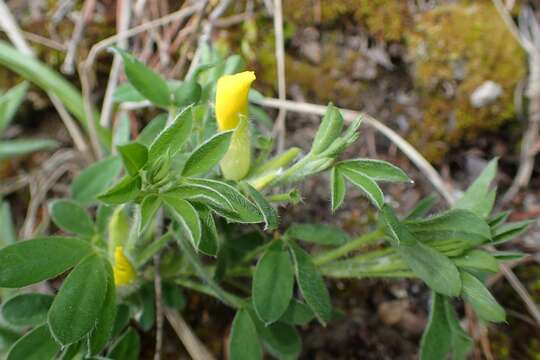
pixel 279 127
pixel 528 36
pixel 192 344
pixel 84 18
pixel 123 11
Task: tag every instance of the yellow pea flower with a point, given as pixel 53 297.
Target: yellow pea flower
pixel 123 270
pixel 232 113
pixel 232 99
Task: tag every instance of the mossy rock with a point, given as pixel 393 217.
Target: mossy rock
pixel 453 50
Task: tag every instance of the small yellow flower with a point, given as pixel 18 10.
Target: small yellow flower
pixel 232 113
pixel 123 270
pixel 232 99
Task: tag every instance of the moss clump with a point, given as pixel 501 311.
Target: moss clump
pixel 454 49
pixel 383 19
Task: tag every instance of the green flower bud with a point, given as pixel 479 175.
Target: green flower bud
pixel 118 228
pixel 237 160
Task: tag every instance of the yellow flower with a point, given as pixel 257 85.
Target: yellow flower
pixel 232 99
pixel 232 113
pixel 123 270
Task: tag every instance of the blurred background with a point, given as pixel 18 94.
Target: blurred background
pixel 459 80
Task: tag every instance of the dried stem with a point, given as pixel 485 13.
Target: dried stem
pixel 279 127
pixel 193 345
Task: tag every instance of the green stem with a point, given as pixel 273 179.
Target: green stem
pixel 343 250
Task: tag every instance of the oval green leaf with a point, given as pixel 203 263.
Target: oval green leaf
pixel 243 341
pixel 207 155
pixel 79 301
pixel 273 282
pixel 26 309
pixel 32 261
pixel 71 217
pixel 37 344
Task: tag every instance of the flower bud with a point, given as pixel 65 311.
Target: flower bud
pixel 118 228
pixel 123 270
pixel 232 113
pixel 236 162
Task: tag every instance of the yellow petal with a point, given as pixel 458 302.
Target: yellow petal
pixel 123 270
pixel 232 98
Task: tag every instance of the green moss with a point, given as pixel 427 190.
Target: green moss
pixel 468 39
pixel 384 19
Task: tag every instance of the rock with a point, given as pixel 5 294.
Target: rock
pixel 485 94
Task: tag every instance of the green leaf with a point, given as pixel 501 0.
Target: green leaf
pixel 44 77
pixel 311 284
pixel 481 300
pixel 337 188
pixel 37 344
pixel 187 217
pixel 368 186
pixel 95 179
pixel 318 233
pixel 297 313
pixel 103 216
pixel 134 156
pixel 396 232
pixel 502 256
pixel 127 93
pixel 122 318
pixel 422 208
pixel 10 102
pixel 152 130
pixel 19 147
pixel 125 190
pixel 329 130
pixel 244 210
pixel 207 155
pixel 187 93
pixel 377 170
pixel 31 261
pixel 103 331
pixel 281 339
pixel 7 229
pixel 437 271
pixel 173 296
pixel 455 224
pixel 269 213
pixel 478 197
pixel 477 260
pixel 498 219
pixel 203 194
pixel 145 81
pixel 461 341
pixel 170 140
pixel 436 340
pixel 26 309
pixel 510 231
pixel 127 347
pixel 149 207
pixel 71 217
pixel 147 315
pixel 209 236
pixel 243 341
pixel 78 304
pixel 273 282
